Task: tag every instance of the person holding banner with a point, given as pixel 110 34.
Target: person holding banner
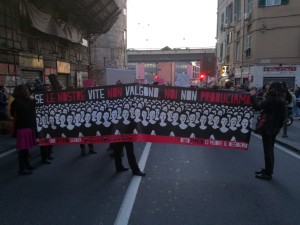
pixel 273 105
pixel 118 149
pixel 91 149
pixel 23 110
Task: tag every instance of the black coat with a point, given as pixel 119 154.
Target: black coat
pixel 23 110
pixel 274 108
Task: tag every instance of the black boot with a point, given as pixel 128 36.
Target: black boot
pixel 138 173
pixel 49 152
pixel 121 169
pixel 27 164
pixel 82 149
pixel 23 161
pixel 44 154
pixel 264 176
pixel 260 171
pixel 83 153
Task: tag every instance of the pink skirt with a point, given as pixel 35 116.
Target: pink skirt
pixel 25 138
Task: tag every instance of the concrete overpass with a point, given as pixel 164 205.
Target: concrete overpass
pixel 170 55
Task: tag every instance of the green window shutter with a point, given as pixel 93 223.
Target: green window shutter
pixel 284 2
pixel 262 3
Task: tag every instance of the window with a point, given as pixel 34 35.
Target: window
pixel 228 14
pixel 227 56
pixel 228 38
pixel 248 43
pixel 249 28
pixel 248 46
pixel 273 2
pixel 250 6
pixel 221 51
pixel 248 52
pixel 263 3
pixel 237 51
pixel 222 22
pixel 149 65
pixel 125 36
pixel 237 10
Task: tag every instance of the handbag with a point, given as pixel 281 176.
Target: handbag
pixel 260 124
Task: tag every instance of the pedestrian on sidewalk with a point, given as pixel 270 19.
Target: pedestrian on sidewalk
pixel 273 105
pixel 293 105
pixel 23 110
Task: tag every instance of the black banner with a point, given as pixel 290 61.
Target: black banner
pixel 145 113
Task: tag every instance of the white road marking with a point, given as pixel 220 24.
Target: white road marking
pixel 282 148
pixel 287 151
pixel 128 201
pixel 7 153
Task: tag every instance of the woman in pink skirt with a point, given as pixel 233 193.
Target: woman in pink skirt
pixel 23 110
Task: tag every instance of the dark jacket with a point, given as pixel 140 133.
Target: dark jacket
pixel 23 110
pixel 275 113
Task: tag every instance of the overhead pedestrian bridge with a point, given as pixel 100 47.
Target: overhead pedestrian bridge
pixel 169 55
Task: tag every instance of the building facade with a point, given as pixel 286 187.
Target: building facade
pixel 165 72
pixel 190 62
pixel 109 49
pixel 258 41
pixel 38 38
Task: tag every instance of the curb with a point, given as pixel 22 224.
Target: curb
pixel 294 149
pixel 290 147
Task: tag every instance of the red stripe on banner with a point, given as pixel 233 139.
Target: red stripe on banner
pixel 145 138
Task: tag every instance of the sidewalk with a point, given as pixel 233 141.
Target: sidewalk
pixel 292 141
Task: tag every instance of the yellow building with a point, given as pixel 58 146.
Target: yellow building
pixel 258 41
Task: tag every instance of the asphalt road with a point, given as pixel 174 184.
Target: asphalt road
pixel 184 185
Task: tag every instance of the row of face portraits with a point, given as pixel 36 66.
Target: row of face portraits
pixel 144 111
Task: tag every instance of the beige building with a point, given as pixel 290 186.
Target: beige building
pixel 258 41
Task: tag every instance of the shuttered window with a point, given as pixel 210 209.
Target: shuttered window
pixel 284 2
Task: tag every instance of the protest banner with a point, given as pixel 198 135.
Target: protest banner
pixel 145 113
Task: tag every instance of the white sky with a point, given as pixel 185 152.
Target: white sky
pixel 173 23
